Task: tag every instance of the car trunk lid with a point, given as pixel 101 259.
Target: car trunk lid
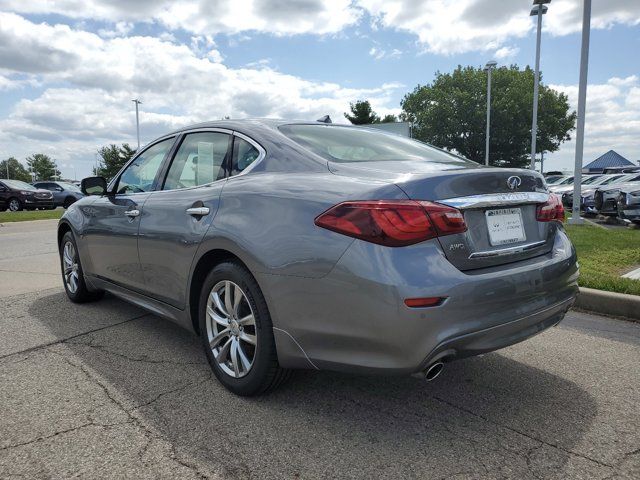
pixel 499 206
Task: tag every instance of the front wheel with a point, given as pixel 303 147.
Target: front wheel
pixel 237 333
pixel 15 205
pixel 72 274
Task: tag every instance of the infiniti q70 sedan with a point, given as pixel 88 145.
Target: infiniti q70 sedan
pixel 307 245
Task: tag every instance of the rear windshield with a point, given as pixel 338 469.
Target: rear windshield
pixel 349 144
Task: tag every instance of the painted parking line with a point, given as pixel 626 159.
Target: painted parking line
pixel 634 274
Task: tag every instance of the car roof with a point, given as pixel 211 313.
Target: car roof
pixel 242 124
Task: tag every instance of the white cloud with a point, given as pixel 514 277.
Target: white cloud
pixel 456 26
pixel 504 53
pixel 101 75
pixel 279 17
pixel 612 122
pixel 379 53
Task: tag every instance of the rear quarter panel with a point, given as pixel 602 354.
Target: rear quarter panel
pixel 267 219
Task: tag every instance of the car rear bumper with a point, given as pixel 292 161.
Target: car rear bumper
pixel 355 319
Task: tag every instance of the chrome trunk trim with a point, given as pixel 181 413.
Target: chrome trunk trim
pixel 495 199
pixel 507 251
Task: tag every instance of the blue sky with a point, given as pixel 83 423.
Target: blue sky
pixel 69 68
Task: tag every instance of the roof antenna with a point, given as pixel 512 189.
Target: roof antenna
pixel 325 119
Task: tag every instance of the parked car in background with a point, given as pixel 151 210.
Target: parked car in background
pixel 16 195
pixel 605 199
pixel 555 179
pixel 588 191
pixel 64 194
pixel 308 245
pixel 629 203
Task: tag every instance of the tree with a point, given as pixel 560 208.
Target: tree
pixel 362 113
pixel 389 118
pixel 16 170
pixel 43 167
pixel 451 113
pixel 112 159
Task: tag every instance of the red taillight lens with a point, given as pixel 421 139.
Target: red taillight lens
pixel 551 211
pixel 393 223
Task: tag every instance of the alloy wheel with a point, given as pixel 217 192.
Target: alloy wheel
pixel 231 329
pixel 70 262
pixel 14 205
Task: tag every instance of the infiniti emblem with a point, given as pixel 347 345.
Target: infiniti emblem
pixel 514 182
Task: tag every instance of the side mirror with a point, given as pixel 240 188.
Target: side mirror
pixel 94 186
pixel 59 189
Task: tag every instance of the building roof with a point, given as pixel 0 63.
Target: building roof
pixel 609 159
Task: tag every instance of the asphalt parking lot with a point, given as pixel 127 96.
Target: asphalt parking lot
pixel 106 390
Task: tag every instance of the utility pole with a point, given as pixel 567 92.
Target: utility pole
pixel 575 218
pixel 490 66
pixel 538 9
pixel 8 169
pixel 137 102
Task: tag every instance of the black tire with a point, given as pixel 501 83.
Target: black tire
pixel 17 202
pixel 81 294
pixel 265 373
pixel 68 202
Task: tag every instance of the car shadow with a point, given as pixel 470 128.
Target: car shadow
pixel 488 414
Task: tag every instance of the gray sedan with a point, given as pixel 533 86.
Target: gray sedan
pixel 305 245
pixel 64 193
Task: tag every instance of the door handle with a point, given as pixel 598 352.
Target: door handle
pixel 198 211
pixel 132 213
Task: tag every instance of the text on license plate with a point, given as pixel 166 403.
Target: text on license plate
pixel 505 226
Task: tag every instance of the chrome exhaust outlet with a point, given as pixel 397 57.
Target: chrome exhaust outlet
pixel 433 371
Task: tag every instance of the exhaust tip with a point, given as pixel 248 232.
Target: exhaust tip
pixel 433 371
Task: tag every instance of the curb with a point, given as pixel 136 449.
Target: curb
pixel 609 303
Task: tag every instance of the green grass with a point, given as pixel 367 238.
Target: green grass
pixel 23 216
pixel 604 255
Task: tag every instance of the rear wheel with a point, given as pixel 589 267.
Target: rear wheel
pixel 72 274
pixel 15 205
pixel 237 333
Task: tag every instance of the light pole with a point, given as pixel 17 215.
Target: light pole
pixel 575 218
pixel 8 178
pixel 137 102
pixel 538 10
pixel 488 67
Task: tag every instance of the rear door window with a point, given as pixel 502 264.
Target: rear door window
pixel 201 159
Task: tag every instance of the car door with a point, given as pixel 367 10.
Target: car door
pixel 175 218
pixel 111 234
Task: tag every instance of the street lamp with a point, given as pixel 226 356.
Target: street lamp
pixel 575 218
pixel 538 10
pixel 137 102
pixel 488 67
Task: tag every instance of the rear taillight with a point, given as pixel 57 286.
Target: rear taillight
pixel 393 223
pixel 551 211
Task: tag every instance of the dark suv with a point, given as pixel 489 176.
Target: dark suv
pixel 64 194
pixel 16 195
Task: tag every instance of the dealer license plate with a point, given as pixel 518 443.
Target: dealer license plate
pixel 505 226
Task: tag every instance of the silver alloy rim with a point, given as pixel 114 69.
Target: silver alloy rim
pixel 14 205
pixel 231 329
pixel 70 267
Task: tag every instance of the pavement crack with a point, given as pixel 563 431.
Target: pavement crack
pixel 108 351
pixel 147 432
pixel 63 340
pixel 524 434
pixel 174 390
pixel 60 432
